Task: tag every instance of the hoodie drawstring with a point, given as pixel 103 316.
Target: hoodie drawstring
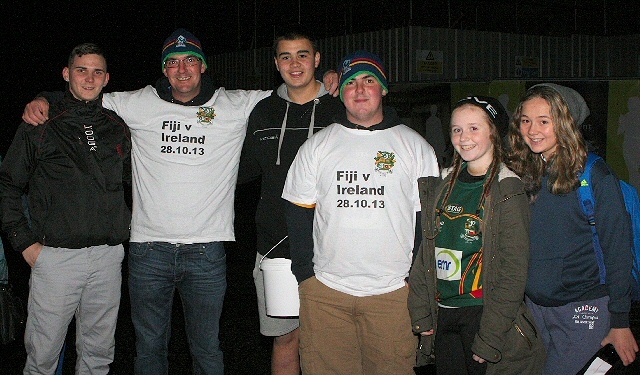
pixel 313 118
pixel 284 126
pixel 282 130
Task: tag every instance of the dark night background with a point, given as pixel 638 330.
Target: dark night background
pixel 37 37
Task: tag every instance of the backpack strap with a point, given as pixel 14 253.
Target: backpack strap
pixel 587 202
pixel 632 204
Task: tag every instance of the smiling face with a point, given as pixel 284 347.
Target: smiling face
pixel 537 127
pixel 471 137
pixel 185 80
pixel 362 96
pixel 297 62
pixel 87 75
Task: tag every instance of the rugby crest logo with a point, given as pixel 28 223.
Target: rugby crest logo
pixel 206 115
pixel 471 230
pixel 385 161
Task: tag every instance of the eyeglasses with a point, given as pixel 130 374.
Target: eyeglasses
pixel 188 61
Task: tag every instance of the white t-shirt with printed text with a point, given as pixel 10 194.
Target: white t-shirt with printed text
pixel 365 190
pixel 184 163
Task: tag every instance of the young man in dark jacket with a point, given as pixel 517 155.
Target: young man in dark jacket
pixel 71 169
pixel 277 127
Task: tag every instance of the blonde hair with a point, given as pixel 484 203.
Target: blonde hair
pixel 568 160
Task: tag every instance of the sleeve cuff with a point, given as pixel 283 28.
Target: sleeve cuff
pixel 303 274
pixel 422 325
pixel 485 351
pixel 619 320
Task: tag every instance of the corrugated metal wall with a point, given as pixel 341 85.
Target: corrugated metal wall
pixel 466 56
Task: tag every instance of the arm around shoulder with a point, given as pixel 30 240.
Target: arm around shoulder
pixel 36 112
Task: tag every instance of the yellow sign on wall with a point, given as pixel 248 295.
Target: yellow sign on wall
pixel 430 62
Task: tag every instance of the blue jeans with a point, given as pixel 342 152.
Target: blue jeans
pixel 198 272
pixel 4 272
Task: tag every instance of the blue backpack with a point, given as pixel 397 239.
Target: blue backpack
pixel 632 203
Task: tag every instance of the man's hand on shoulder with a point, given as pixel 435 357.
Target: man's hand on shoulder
pixel 36 112
pixel 330 80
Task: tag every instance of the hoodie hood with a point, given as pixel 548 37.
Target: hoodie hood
pixel 283 93
pixel 207 89
pixel 576 103
pixel 390 120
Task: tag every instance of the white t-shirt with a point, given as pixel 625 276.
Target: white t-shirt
pixel 185 163
pixel 365 190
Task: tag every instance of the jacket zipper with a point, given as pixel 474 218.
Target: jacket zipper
pixel 523 335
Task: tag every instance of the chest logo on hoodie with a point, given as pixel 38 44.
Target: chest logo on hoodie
pixel 385 161
pixel 206 115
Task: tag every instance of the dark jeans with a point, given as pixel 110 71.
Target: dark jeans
pixel 455 334
pixel 198 272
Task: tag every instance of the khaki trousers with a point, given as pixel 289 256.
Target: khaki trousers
pixel 343 334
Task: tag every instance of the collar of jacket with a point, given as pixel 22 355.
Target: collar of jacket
pixel 70 102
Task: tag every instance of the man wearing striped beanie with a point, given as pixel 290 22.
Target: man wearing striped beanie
pixel 362 62
pixel 352 212
pixel 182 42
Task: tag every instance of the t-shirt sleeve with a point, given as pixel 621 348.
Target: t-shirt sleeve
pixel 300 186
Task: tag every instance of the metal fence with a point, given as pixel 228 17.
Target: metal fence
pixel 428 55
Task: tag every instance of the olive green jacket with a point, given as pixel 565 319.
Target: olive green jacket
pixel 508 338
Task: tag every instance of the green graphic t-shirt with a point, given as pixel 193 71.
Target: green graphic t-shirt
pixel 459 245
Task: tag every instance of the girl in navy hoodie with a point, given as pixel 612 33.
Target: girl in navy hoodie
pixel 574 311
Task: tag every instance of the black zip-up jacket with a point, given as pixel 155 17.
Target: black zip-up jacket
pixel 277 128
pixel 72 168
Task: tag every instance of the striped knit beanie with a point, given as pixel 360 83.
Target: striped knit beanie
pixel 182 42
pixel 362 62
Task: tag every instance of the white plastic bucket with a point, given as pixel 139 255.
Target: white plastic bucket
pixel 280 287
